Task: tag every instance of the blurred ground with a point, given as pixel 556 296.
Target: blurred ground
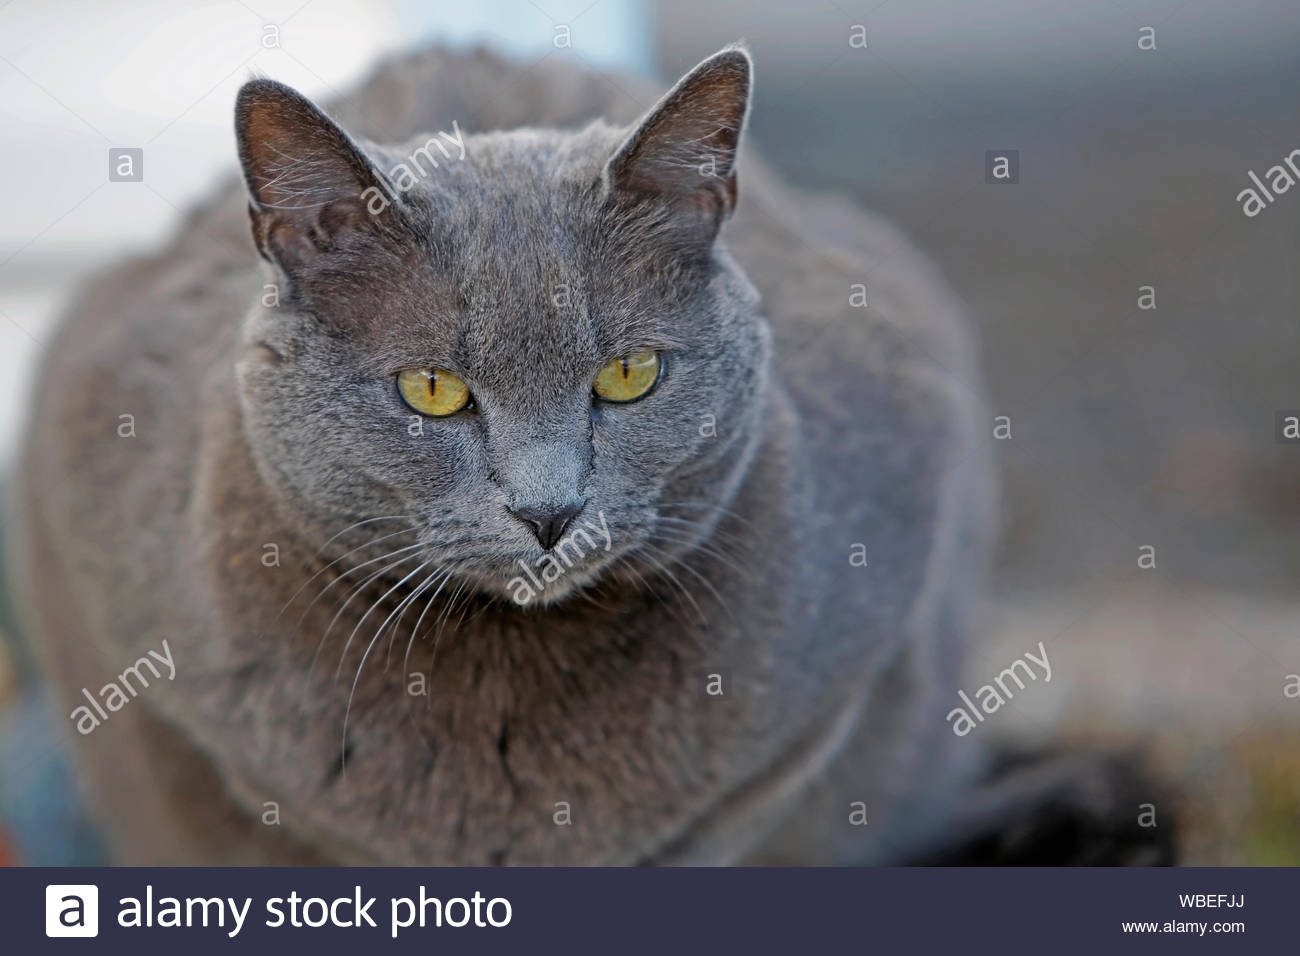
pixel 1194 680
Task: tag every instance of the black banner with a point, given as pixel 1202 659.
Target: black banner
pixel 164 910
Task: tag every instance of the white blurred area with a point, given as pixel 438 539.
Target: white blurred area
pixel 80 76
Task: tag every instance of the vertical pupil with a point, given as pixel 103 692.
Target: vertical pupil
pixel 624 364
pixel 433 384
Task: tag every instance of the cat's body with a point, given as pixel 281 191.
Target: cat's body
pixel 832 523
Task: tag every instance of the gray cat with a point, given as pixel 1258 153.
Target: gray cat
pixel 538 497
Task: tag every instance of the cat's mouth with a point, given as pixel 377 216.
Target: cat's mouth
pixel 536 576
pixel 550 575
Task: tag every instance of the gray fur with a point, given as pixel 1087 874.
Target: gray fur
pixel 730 542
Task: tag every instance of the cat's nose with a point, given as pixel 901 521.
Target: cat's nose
pixel 548 521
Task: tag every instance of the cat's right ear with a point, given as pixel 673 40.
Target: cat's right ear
pixel 683 151
pixel 311 188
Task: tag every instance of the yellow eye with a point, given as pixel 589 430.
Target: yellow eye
pixel 628 378
pixel 431 391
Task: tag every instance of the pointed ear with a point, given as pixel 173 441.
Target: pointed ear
pixel 311 187
pixel 684 150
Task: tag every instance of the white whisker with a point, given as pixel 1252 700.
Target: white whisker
pixel 341 557
pixel 370 610
pixel 355 591
pixel 353 570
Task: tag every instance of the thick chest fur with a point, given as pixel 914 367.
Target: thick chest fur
pixel 599 731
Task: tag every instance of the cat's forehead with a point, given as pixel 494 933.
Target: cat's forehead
pixel 515 247
pixel 522 274
pixel 520 235
pixel 531 172
pixel 511 206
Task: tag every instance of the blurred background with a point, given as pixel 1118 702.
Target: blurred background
pixel 1139 331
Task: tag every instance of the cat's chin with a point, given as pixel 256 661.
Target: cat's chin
pixel 523 585
pixel 552 596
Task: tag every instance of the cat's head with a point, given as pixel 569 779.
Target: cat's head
pixel 524 343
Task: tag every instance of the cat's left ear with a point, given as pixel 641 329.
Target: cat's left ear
pixel 312 190
pixel 684 150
